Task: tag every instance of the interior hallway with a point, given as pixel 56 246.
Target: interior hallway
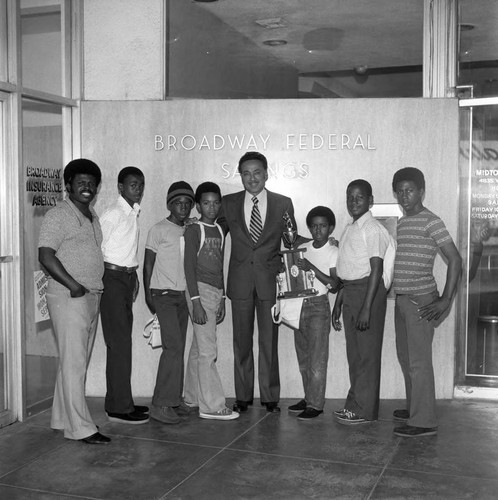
pixel 259 455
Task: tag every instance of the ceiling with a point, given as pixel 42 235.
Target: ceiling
pixel 338 39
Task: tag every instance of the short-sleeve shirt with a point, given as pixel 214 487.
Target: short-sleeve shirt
pixel 77 244
pixel 360 241
pixel 324 258
pixel 164 240
pixel 120 230
pixel 418 237
pixel 203 264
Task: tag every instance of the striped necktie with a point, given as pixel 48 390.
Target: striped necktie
pixel 256 224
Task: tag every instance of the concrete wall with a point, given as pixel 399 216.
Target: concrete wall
pixel 123 49
pixel 312 158
pixel 137 51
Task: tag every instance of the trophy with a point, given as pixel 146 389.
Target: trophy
pixel 293 282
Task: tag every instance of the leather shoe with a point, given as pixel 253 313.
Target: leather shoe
pixel 272 407
pixel 133 418
pixel 96 438
pixel 141 409
pixel 240 406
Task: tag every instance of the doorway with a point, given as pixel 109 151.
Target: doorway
pixel 478 346
pixel 10 387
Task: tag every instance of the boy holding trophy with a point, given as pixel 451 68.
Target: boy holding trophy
pixel 312 337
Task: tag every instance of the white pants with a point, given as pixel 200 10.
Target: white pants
pixel 75 323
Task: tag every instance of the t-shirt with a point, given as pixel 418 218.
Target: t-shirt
pixel 204 265
pixel 324 258
pixel 419 237
pixel 360 241
pixel 76 242
pixel 164 240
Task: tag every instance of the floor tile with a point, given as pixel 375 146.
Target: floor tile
pixel 321 438
pixel 259 455
pixel 25 444
pixel 471 454
pixel 14 493
pixel 124 469
pixel 193 430
pixel 408 485
pixel 234 474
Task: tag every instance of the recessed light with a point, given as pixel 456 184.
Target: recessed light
pixel 272 23
pixel 275 43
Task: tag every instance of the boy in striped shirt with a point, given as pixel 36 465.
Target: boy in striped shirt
pixel 420 235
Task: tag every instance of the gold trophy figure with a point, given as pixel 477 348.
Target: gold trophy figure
pixel 293 282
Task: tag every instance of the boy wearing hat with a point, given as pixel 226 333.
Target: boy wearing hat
pixel 164 285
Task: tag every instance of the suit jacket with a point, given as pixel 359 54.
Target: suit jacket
pixel 254 264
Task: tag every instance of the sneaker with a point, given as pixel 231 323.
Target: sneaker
pixel 309 413
pixel 133 418
pixel 351 418
pixel 224 414
pixel 401 415
pixel 340 413
pixel 165 414
pixel 298 407
pixel 183 410
pixel 192 405
pixel 411 431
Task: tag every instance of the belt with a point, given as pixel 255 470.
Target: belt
pixel 114 267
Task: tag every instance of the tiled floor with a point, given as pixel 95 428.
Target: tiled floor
pixel 260 455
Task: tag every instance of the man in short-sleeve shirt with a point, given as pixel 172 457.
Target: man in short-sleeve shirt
pixel 69 249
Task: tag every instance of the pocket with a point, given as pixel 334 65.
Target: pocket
pixel 423 300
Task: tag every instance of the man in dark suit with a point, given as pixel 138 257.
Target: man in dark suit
pixel 255 219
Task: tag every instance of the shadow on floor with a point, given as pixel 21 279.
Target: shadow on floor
pixel 259 455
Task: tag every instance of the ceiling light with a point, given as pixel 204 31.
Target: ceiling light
pixel 275 43
pixel 361 69
pixel 273 23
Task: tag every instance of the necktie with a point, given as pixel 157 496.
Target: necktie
pixel 256 224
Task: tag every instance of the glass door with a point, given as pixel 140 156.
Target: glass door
pixel 8 341
pixel 479 238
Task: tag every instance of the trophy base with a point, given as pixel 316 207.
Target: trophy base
pixel 297 294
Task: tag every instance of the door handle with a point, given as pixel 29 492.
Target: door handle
pixel 6 258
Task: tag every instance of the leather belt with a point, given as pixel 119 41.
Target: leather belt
pixel 114 267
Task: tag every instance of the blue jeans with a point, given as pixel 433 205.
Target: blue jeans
pixel 202 381
pixel 172 313
pixel 414 337
pixel 312 349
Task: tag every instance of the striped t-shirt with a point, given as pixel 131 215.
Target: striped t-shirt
pixel 419 237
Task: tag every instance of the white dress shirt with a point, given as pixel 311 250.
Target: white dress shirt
pixel 120 231
pixel 262 205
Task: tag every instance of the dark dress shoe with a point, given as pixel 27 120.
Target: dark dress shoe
pixel 96 438
pixel 272 407
pixel 240 406
pixel 134 418
pixel 141 409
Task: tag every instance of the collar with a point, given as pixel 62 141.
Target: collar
pixel 261 196
pixel 363 219
pixel 125 206
pixel 79 215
